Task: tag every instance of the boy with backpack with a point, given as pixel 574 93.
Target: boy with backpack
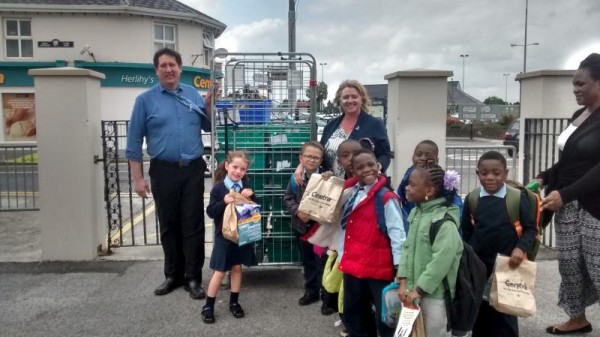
pixel 487 226
pixel 311 156
pixel 366 274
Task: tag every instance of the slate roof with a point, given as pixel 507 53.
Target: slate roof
pixel 377 90
pixel 455 96
pixel 458 97
pixel 168 8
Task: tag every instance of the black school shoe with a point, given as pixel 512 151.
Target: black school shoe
pixel 308 298
pixel 236 310
pixel 326 310
pixel 208 315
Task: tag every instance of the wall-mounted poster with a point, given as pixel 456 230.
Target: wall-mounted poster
pixel 19 116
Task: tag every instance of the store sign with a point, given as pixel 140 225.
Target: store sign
pixel 55 43
pixel 138 79
pixel 142 75
pixel 201 83
pixel 19 116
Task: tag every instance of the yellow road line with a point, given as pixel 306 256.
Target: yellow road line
pixel 130 224
pixel 23 194
pixel 138 218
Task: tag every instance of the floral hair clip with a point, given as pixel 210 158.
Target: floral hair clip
pixel 451 180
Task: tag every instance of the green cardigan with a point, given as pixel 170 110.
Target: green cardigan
pixel 424 265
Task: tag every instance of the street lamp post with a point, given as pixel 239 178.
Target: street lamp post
pixel 506 87
pixel 464 56
pixel 322 65
pixel 525 44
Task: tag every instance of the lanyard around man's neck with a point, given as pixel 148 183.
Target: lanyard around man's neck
pixel 186 101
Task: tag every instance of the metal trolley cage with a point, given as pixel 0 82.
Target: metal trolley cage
pixel 267 108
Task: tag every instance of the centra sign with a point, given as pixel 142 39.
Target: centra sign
pixel 201 83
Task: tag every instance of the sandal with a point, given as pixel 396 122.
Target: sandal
pixel 208 315
pixel 556 331
pixel 236 310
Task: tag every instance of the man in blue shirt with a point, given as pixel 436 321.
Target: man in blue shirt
pixel 170 117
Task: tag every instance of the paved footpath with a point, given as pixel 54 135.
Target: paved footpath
pixel 114 298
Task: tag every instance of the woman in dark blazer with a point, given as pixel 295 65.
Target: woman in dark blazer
pixel 354 123
pixel 573 192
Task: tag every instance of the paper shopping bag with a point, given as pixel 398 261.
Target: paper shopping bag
pixel 408 323
pixel 241 220
pixel 322 199
pixel 419 327
pixel 513 290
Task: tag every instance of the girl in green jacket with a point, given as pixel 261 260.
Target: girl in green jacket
pixel 423 266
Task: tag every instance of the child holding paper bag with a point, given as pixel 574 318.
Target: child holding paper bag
pixel 311 156
pixel 489 231
pixel 227 255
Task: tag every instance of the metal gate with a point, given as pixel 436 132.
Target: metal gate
pixel 267 108
pixel 463 159
pixel 131 219
pixel 541 152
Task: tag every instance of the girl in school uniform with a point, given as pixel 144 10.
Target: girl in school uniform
pixel 227 255
pixel 424 266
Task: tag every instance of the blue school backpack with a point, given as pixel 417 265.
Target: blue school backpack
pixel 390 305
pixel 380 212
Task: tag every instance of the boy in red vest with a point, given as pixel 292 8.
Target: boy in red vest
pixel 368 256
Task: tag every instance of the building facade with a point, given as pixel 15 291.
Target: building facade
pixel 115 37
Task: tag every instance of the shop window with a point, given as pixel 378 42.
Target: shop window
pixel 17 38
pixel 164 36
pixel 207 56
pixel 209 46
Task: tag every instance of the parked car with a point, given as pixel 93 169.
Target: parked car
pixel 511 136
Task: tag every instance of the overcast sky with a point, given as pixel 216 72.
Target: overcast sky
pixel 365 40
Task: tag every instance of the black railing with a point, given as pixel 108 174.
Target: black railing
pixel 130 218
pixel 541 152
pixel 19 178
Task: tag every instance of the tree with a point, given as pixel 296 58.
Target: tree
pixel 321 93
pixel 331 109
pixel 494 100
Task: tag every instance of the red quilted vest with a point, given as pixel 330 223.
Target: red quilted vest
pixel 367 252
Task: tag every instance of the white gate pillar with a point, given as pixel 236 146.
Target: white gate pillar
pixel 68 134
pixel 417 103
pixel 544 94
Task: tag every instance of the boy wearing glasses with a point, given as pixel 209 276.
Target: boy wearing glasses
pixel 311 156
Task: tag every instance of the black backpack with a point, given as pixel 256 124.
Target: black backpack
pixel 470 283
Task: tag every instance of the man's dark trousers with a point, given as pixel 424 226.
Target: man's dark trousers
pixel 179 196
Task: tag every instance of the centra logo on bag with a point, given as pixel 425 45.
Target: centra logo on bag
pixel 321 196
pixel 519 285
